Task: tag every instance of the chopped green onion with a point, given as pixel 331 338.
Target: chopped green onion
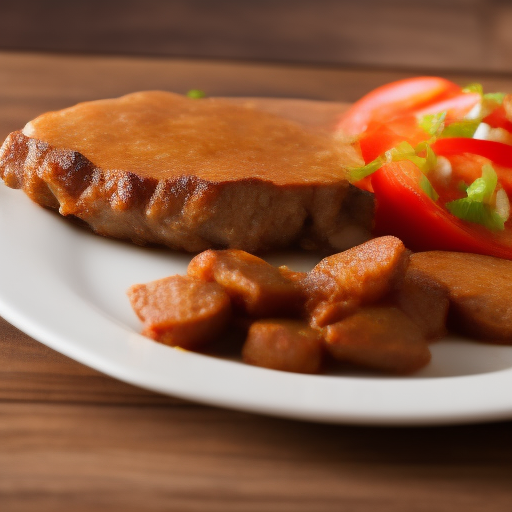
pixel 477 212
pixel 404 151
pixel 476 207
pixel 494 97
pixel 427 187
pixel 490 100
pixel 433 124
pixel 399 152
pixel 475 87
pixel 482 189
pixel 358 173
pixel 464 128
pixel 196 94
pixel 430 156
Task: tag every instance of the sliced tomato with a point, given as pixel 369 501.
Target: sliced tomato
pixel 397 98
pixel 497 152
pixel 379 137
pixel 498 119
pixel 456 107
pixel 405 211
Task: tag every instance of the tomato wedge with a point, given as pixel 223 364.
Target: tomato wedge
pixel 394 99
pixel 379 137
pixel 405 211
pixel 456 107
pixel 497 152
pixel 498 119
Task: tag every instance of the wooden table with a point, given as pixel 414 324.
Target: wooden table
pixel 72 439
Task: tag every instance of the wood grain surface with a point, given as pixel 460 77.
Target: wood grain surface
pixel 72 439
pixel 407 34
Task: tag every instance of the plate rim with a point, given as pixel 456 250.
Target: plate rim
pixel 30 318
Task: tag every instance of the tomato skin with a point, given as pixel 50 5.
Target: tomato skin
pixel 405 211
pixel 498 119
pixel 497 152
pixel 456 107
pixel 388 116
pixel 397 98
pixel 380 137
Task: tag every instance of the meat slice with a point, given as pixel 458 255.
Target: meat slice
pixel 287 345
pixel 379 338
pixel 181 311
pixel 361 275
pixel 157 167
pixel 479 289
pixel 256 288
pixel 425 301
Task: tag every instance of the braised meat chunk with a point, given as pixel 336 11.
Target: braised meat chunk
pixel 479 289
pixel 256 288
pixel 286 345
pixel 365 307
pixel 181 311
pixel 361 275
pixel 380 338
pixel 425 301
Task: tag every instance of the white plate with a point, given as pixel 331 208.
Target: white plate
pixel 66 288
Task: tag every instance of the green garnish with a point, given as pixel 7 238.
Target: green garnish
pixel 430 156
pixel 490 100
pixel 476 212
pixel 464 128
pixel 474 87
pixel 358 173
pixel 494 97
pixel 404 151
pixel 483 188
pixel 476 206
pixel 427 187
pixel 196 94
pixel 433 124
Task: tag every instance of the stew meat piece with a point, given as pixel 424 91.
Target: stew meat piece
pixel 255 287
pixel 381 338
pixel 287 345
pixel 181 311
pixel 361 275
pixel 425 302
pixel 479 289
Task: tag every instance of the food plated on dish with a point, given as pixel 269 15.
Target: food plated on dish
pixel 161 168
pixel 142 168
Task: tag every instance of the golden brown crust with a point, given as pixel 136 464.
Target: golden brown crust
pixel 186 213
pixel 365 274
pixel 256 288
